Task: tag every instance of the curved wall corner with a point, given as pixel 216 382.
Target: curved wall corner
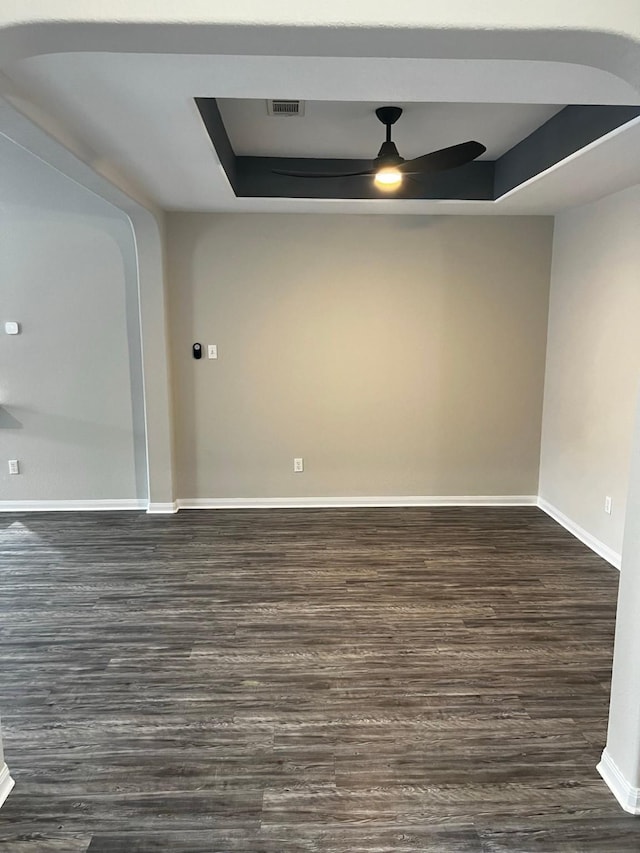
pixel 148 236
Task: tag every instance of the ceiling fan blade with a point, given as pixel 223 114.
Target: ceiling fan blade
pixel 321 174
pixel 445 158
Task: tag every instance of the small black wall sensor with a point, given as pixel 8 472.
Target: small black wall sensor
pixel 197 350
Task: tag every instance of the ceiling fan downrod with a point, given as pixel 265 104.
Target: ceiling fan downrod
pixel 388 154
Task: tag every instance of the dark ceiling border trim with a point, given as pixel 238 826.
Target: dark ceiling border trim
pixel 255 177
pixel 565 133
pixel 210 113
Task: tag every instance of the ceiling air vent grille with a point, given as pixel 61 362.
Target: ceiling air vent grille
pixel 285 108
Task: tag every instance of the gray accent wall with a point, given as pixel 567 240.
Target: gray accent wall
pixel 71 395
pixel 397 355
pixel 593 364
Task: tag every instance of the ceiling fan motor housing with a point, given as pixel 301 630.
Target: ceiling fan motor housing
pixel 388 155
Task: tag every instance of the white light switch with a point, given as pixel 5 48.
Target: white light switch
pixel 14 466
pixel 212 351
pixel 12 328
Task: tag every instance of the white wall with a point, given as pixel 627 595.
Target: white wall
pixel 620 764
pixel 397 355
pixel 6 782
pixel 71 404
pixel 593 363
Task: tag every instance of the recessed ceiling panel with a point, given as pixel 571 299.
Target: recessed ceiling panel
pixel 452 173
pixel 351 130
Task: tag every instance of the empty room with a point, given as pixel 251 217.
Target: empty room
pixel 320 470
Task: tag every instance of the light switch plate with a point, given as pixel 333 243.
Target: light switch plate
pixel 212 351
pixel 12 328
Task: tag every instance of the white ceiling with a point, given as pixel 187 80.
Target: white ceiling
pixel 351 129
pixel 136 114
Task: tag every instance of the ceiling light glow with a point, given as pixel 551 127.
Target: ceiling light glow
pixel 388 179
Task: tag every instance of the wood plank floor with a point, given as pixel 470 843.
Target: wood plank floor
pixel 328 681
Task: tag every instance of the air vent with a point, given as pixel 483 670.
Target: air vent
pixel 285 108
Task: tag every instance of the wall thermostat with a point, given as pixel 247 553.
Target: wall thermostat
pixel 197 350
pixel 12 328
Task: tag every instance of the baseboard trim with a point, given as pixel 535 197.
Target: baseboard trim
pixel 356 501
pixel 602 550
pixel 625 794
pixel 162 508
pixel 6 783
pixel 71 506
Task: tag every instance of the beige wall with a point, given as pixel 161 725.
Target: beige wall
pixel 592 363
pixel 397 355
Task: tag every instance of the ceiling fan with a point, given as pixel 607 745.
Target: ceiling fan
pixel 389 168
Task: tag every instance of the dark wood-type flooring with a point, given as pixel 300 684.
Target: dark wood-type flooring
pixel 328 681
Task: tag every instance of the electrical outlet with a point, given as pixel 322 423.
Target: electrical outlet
pixel 607 505
pixel 298 465
pixel 14 466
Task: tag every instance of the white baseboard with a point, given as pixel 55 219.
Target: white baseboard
pixel 71 506
pixel 6 783
pixel 625 794
pixel 580 533
pixel 357 501
pixel 267 503
pixel 162 508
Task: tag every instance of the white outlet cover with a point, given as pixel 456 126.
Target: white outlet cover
pixel 12 328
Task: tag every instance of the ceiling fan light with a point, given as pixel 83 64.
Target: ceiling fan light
pixel 388 179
